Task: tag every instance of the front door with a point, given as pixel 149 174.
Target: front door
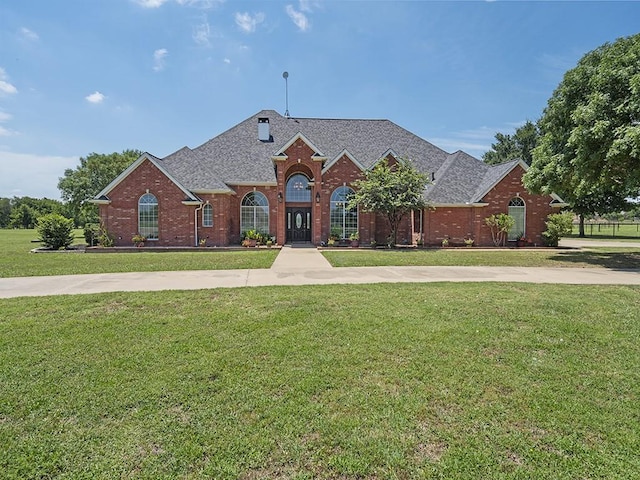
pixel 298 224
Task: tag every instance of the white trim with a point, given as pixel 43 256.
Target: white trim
pixel 299 136
pixel 133 167
pixel 215 192
pixel 99 201
pixel 254 184
pixel 343 153
pixel 457 205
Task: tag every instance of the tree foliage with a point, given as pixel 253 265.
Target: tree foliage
pixel 94 173
pixel 392 190
pixel 589 148
pixel 509 147
pixel 500 225
pixel 558 225
pixel 55 231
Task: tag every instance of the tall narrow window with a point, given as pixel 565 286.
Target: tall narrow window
pixel 148 216
pixel 517 210
pixel 207 215
pixel 344 220
pixel 298 188
pixel 254 213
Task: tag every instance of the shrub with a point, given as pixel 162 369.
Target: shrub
pixel 558 225
pixel 55 231
pixel 91 233
pixel 105 239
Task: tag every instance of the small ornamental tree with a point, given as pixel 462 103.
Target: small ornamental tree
pixel 55 231
pixel 500 225
pixel 392 190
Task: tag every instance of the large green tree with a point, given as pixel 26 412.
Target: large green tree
pixel 94 173
pixel 509 147
pixel 589 148
pixel 391 189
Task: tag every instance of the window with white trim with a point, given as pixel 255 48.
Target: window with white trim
pixel 517 210
pixel 254 212
pixel 343 218
pixel 148 216
pixel 207 215
pixel 298 188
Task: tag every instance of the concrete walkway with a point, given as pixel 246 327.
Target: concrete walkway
pixel 303 266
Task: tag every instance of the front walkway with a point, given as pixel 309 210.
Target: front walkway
pixel 303 266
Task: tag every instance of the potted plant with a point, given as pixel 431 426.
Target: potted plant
pixel 138 240
pixel 468 241
pixel 445 242
pixel 521 240
pixel 355 239
pixel 202 242
pixel 252 238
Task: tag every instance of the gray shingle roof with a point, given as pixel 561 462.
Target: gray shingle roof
pixel 237 156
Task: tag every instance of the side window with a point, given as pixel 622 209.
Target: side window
pixel 148 216
pixel 517 210
pixel 207 215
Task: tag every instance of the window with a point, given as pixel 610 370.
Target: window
pixel 298 188
pixel 207 215
pixel 254 213
pixel 343 219
pixel 148 216
pixel 517 210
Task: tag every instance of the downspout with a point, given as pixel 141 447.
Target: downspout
pixel 195 222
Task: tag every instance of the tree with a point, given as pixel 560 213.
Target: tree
pixel 500 225
pixel 5 212
pixel 94 173
pixel 392 190
pixel 589 148
pixel 55 231
pixel 509 147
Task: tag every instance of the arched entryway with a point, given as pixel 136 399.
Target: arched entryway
pixel 298 208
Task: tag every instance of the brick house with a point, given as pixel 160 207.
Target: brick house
pixel 291 177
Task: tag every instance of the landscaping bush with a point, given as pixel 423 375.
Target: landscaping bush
pixel 91 233
pixel 558 225
pixel 55 231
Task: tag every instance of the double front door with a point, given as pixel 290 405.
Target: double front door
pixel 298 224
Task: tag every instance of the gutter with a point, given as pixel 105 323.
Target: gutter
pixel 195 222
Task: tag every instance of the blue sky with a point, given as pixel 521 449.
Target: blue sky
pixel 82 76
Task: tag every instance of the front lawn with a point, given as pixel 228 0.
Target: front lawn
pixel 372 381
pixel 16 261
pixel 610 257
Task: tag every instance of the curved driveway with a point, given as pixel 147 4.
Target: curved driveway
pixel 304 266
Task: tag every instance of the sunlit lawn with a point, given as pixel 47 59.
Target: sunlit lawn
pixel 610 257
pixel 15 259
pixel 470 381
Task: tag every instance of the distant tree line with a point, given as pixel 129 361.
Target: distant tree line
pixel 23 212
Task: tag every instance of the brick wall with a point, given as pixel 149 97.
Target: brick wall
pixel 175 220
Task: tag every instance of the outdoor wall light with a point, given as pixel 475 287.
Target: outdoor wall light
pixel 317 197
pixel 279 197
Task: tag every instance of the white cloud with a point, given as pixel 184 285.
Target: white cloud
pixel 308 5
pixel 5 86
pixel 4 116
pixel 95 97
pixel 299 19
pixel 150 3
pixel 158 59
pixel 29 34
pixel 204 4
pixel 202 34
pixel 5 132
pixel 227 61
pixel 247 22
pixel 25 174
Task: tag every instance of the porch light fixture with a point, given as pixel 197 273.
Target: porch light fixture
pixel 279 197
pixel 317 197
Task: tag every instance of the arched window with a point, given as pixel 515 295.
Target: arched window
pixel 517 210
pixel 254 212
pixel 207 215
pixel 343 219
pixel 298 188
pixel 148 216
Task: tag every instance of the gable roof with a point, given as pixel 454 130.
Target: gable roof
pixel 158 163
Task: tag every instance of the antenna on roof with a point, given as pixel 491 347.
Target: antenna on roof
pixel 285 75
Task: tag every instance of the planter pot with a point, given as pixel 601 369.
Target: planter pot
pixel 252 243
pixel 355 243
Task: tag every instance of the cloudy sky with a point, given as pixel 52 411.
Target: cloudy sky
pixel 80 76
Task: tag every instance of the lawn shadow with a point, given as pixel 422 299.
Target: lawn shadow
pixel 612 260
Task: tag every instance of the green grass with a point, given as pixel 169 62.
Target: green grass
pixel 607 231
pixel 16 261
pixel 609 257
pixel 410 381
